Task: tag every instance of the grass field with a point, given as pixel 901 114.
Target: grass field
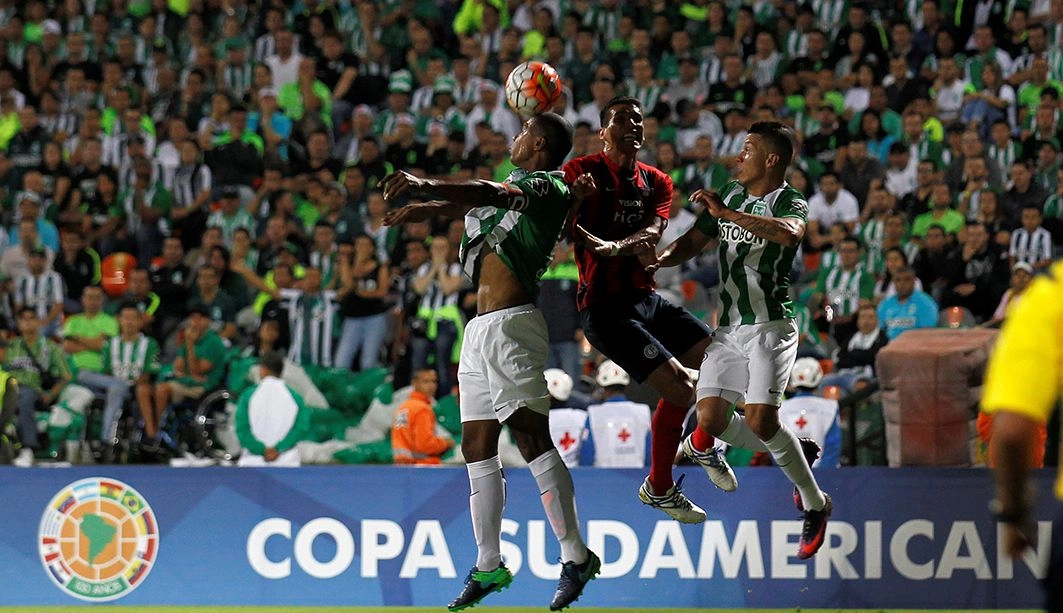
pixel 575 609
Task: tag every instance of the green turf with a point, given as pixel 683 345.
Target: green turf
pixel 575 609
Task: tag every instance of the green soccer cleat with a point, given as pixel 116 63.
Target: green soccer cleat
pixel 480 583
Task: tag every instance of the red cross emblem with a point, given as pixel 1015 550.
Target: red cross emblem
pixel 566 441
pixel 801 422
pixel 624 435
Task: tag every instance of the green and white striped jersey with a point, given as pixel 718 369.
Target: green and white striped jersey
pixel 312 319
pixel 523 236
pixel 1005 156
pixel 648 97
pixel 872 232
pixel 844 289
pixel 754 272
pixel 875 257
pixel 41 292
pixel 128 360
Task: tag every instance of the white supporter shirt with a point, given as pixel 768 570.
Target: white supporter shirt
pixel 901 182
pixel 619 430
pixel 284 71
pixel 815 418
pixel 271 413
pixel 949 100
pixel 568 430
pixel 844 209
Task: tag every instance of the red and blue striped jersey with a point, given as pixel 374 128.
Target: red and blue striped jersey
pixel 626 201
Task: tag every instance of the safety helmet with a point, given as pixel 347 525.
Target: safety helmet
pixel 806 373
pixel 609 374
pixel 558 383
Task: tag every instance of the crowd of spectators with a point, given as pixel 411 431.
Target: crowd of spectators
pixel 233 149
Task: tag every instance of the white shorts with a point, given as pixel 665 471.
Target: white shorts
pixel 503 356
pixel 751 361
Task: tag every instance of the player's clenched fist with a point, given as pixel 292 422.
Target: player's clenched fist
pixel 583 186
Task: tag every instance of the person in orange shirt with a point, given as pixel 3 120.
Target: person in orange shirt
pixel 413 429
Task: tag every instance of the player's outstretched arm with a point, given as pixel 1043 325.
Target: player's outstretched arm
pixel 687 246
pixel 401 185
pixel 423 211
pixel 787 231
pixel 636 244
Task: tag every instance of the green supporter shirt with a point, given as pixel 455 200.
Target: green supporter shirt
pixel 1054 207
pixel 953 221
pixel 248 137
pixel 83 326
pixel 230 224
pixel 156 197
pixel 524 236
pixel 1030 94
pixel 754 272
pixel 147 305
pixel 846 288
pixel 128 360
pixel 307 213
pixel 109 118
pixel 23 365
pixel 928 150
pixel 290 100
pixel 805 326
pixel 504 170
pixel 222 308
pixel 692 177
pixel 212 349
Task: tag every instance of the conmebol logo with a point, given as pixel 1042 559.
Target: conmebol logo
pixel 98 539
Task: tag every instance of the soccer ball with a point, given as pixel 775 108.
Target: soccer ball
pixel 532 87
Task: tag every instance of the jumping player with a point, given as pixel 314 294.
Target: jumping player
pixel 617 225
pixel 759 220
pixel 510 234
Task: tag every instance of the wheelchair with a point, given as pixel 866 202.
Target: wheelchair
pixel 192 427
pixel 198 427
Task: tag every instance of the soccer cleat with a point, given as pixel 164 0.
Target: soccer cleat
pixel 713 462
pixel 480 583
pixel 673 502
pixel 811 450
pixel 814 530
pixel 574 577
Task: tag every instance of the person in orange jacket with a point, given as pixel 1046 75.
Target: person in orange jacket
pixel 414 438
